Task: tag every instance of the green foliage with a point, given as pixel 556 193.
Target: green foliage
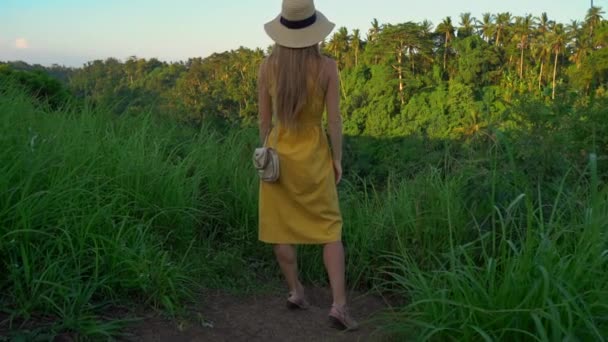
pixel 98 211
pixel 222 86
pixel 478 62
pixel 37 83
pixel 475 186
pixel 392 83
pixel 530 270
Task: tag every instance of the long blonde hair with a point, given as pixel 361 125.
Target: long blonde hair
pixel 295 73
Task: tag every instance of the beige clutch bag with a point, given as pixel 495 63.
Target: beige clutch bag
pixel 266 162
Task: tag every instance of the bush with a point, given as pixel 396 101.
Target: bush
pixel 38 84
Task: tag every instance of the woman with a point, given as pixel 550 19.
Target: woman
pixel 297 84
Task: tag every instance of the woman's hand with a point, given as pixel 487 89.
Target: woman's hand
pixel 337 171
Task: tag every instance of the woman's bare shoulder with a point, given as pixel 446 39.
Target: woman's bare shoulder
pixel 329 63
pixel 264 64
pixel 330 67
pixel 263 69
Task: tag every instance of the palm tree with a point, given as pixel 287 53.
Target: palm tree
pixel 503 22
pixel 338 44
pixel 131 68
pixel 580 46
pixel 467 25
pixel 374 31
pixel 372 36
pixel 447 30
pixel 355 44
pixel 540 46
pixel 426 36
pixel 486 27
pixel 523 29
pixel 557 41
pixel 333 46
pixel 593 20
pixel 600 39
pixel 541 50
pixel 426 28
pixel 544 24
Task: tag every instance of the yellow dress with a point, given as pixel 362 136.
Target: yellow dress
pixel 302 207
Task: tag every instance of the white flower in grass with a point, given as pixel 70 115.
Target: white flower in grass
pixel 33 142
pixel 33 138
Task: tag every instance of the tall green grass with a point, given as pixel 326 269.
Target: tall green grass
pixel 531 271
pixel 98 211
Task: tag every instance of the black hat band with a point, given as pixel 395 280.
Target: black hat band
pixel 300 24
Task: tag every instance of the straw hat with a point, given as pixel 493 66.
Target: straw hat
pixel 299 25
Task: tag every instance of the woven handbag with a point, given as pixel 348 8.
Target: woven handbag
pixel 266 161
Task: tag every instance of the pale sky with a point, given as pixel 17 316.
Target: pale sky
pixel 71 32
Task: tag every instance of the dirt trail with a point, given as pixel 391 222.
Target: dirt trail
pixel 262 317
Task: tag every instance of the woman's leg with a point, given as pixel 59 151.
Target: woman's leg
pixel 333 256
pixel 287 259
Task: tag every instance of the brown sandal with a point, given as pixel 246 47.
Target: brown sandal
pixel 339 318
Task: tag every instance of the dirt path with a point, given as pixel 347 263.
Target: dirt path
pixel 262 317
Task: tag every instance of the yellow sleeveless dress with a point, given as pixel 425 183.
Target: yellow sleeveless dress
pixel 302 207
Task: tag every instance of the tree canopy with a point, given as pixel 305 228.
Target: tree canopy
pixel 446 80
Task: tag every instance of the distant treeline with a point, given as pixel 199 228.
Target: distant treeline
pixel 449 80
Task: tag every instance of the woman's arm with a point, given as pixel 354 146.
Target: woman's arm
pixel 264 103
pixel 334 118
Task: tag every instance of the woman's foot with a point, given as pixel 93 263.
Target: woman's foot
pixel 297 300
pixel 340 318
pixel 294 303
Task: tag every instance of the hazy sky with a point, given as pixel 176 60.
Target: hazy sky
pixel 71 32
